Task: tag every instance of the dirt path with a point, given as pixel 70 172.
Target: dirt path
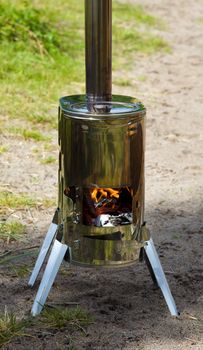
pixel 129 314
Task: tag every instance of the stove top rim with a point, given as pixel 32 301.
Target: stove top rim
pixel 67 103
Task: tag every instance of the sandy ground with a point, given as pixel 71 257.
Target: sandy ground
pixel 129 313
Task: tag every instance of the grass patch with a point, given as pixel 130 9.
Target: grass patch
pixel 13 259
pixel 49 147
pixel 22 201
pixel 16 201
pixel 12 231
pixel 29 134
pixel 44 56
pixel 130 41
pixel 49 202
pixel 48 160
pixel 60 318
pixel 49 319
pixel 132 33
pixel 10 327
pixel 45 147
pixel 123 82
pixel 20 271
pixel 125 13
pixel 43 119
pixel 44 42
pixel 3 149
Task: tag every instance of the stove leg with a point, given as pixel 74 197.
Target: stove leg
pixel 43 252
pixel 149 266
pixel 155 263
pixel 55 259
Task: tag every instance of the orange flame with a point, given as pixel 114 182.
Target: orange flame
pixel 98 194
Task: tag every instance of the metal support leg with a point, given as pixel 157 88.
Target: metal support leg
pixel 43 252
pixel 160 276
pixel 151 271
pixel 56 257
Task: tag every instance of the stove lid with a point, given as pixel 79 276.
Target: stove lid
pixel 120 106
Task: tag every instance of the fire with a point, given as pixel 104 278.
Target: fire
pixel 107 204
pixel 100 194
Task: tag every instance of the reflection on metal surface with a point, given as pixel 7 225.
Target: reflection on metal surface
pixel 105 246
pixel 98 252
pixel 106 151
pixel 98 50
pixel 101 172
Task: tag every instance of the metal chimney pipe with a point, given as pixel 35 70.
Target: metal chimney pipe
pixel 98 49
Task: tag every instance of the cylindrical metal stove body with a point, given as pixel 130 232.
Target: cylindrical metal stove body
pixel 101 150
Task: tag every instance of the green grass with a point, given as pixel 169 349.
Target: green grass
pixel 10 327
pixel 123 82
pixel 16 201
pixel 42 64
pixel 60 318
pixel 48 202
pixel 12 231
pixel 42 52
pixel 28 134
pixel 49 147
pixel 48 160
pixel 132 33
pixel 21 271
pixel 3 149
pixel 45 147
pixel 50 319
pixel 22 201
pixel 127 13
pixel 22 256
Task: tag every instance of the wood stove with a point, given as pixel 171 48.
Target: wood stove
pixel 100 215
pixel 101 179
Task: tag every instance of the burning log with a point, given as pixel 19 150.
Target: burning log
pixel 107 207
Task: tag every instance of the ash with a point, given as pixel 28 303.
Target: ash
pixel 107 220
